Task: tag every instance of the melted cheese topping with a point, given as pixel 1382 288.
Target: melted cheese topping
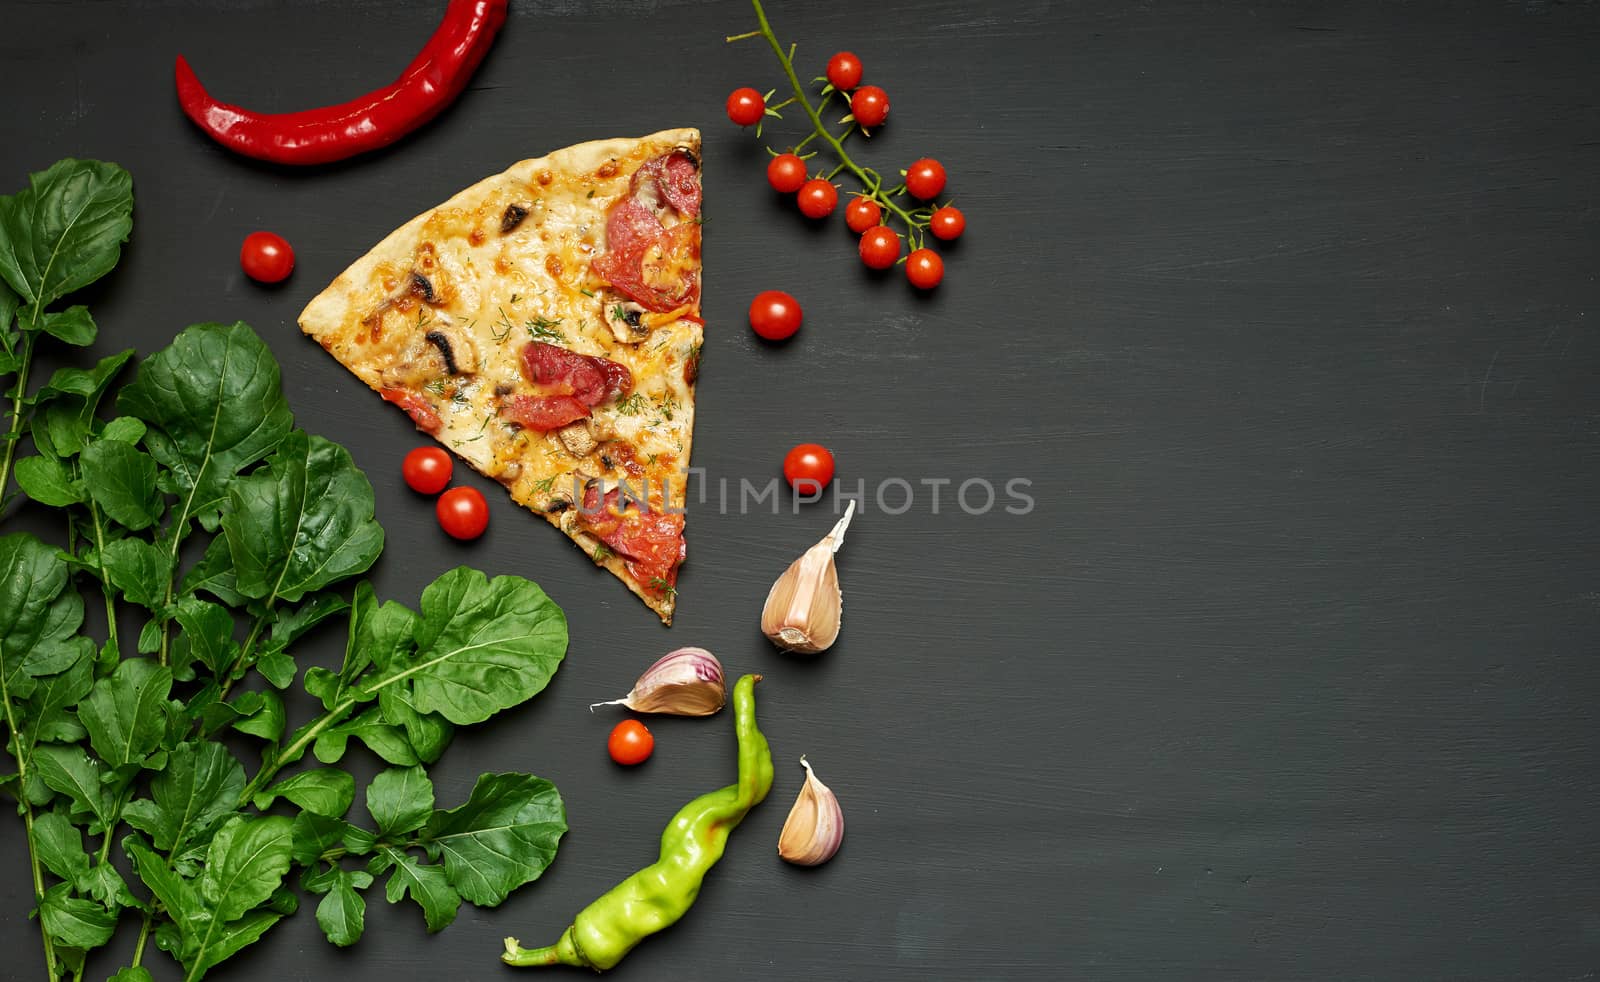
pixel 444 306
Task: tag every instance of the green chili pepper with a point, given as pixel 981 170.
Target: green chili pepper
pixel 658 895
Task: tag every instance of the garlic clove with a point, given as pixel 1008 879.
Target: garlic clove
pixel 686 682
pixel 805 605
pixel 814 830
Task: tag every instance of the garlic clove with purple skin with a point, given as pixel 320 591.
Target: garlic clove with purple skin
pixel 686 682
pixel 805 605
pixel 814 830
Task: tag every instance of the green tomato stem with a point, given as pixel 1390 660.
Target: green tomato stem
pixel 27 818
pixel 787 61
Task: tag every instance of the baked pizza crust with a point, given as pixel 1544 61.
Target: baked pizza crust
pixel 485 289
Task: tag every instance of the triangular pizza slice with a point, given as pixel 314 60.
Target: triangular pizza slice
pixel 544 325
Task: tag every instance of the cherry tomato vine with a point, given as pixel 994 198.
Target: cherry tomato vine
pixel 868 107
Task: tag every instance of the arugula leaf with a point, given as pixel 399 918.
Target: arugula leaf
pixel 139 570
pixel 277 668
pixel 214 575
pixel 172 891
pixel 214 406
pixel 301 523
pixel 70 771
pixel 219 942
pixel 324 685
pixel 54 693
pixel 388 742
pixel 126 713
pixel 206 633
pixel 383 636
pixel 268 721
pixel 124 429
pixel 33 578
pixel 107 886
pixel 122 480
pixel 359 841
pixel 54 646
pixel 503 836
pixel 325 791
pixel 200 785
pixel 57 727
pixel 44 480
pixel 65 230
pixel 73 325
pixel 65 406
pixel 312 835
pixel 483 646
pixel 9 302
pixel 292 624
pixel 135 973
pixel 245 864
pixel 197 936
pixel 315 880
pixel 400 800
pixel 59 846
pixel 427 885
pixel 74 921
pixel 428 733
pixel 342 913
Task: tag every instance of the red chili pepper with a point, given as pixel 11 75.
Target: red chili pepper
pixel 318 136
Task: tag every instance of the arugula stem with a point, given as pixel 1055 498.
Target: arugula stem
pixel 244 653
pixel 144 933
pixel 293 751
pixel 179 529
pixel 27 819
pixel 105 854
pixel 105 578
pixel 874 188
pixel 38 884
pixel 17 394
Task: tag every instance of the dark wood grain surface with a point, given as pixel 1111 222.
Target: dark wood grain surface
pixel 1286 311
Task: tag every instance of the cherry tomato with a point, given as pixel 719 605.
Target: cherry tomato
pixel 818 198
pixel 925 178
pixel 879 247
pixel 745 106
pixel 427 470
pixel 844 71
pixel 924 269
pixel 630 743
pixel 862 213
pixel 870 105
pixel 774 315
pixel 266 258
pixel 808 468
pixel 786 173
pixel 463 513
pixel 947 223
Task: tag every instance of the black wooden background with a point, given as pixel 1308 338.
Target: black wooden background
pixel 1287 311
